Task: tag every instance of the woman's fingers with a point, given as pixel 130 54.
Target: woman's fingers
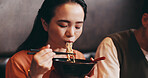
pixel 48 64
pixel 47 57
pixel 45 47
pixel 42 60
pixel 44 56
pixel 43 52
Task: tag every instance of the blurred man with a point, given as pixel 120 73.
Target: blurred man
pixel 126 52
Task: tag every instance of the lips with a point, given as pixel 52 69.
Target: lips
pixel 69 41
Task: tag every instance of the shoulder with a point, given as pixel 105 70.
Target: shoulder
pixel 106 48
pixel 79 55
pixel 106 41
pixel 18 64
pixel 107 45
pixel 21 57
pixel 122 35
pixel 19 54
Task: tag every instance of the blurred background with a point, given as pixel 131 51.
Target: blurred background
pixel 104 17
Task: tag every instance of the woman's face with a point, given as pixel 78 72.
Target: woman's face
pixel 66 25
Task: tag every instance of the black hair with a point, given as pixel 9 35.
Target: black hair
pixel 145 7
pixel 38 36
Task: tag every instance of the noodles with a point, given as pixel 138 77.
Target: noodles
pixel 70 57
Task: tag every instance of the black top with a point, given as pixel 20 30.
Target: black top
pixel 133 63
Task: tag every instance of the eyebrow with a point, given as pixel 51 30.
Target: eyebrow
pixel 69 21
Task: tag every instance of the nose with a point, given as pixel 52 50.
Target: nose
pixel 70 32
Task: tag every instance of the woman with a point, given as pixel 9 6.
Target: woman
pixel 57 22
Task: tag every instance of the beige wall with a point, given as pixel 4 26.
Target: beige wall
pixel 104 17
pixel 16 20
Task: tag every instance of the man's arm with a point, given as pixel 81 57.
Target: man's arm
pixel 108 68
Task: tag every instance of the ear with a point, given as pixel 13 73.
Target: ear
pixel 145 20
pixel 44 24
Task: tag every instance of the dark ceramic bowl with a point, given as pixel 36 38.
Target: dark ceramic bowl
pixel 72 70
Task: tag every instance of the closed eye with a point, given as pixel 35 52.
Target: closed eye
pixel 77 27
pixel 63 26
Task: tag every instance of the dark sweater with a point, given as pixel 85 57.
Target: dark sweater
pixel 133 63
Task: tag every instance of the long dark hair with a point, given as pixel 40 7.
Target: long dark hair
pixel 38 37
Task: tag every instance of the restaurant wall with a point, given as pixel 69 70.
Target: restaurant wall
pixel 106 17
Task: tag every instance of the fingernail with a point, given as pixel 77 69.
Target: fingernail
pixel 48 45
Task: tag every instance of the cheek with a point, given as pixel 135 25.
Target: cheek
pixel 56 32
pixel 78 33
pixel 53 33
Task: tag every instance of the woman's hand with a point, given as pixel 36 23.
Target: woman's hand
pixel 41 62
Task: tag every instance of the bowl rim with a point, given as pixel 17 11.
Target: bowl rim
pixel 85 61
